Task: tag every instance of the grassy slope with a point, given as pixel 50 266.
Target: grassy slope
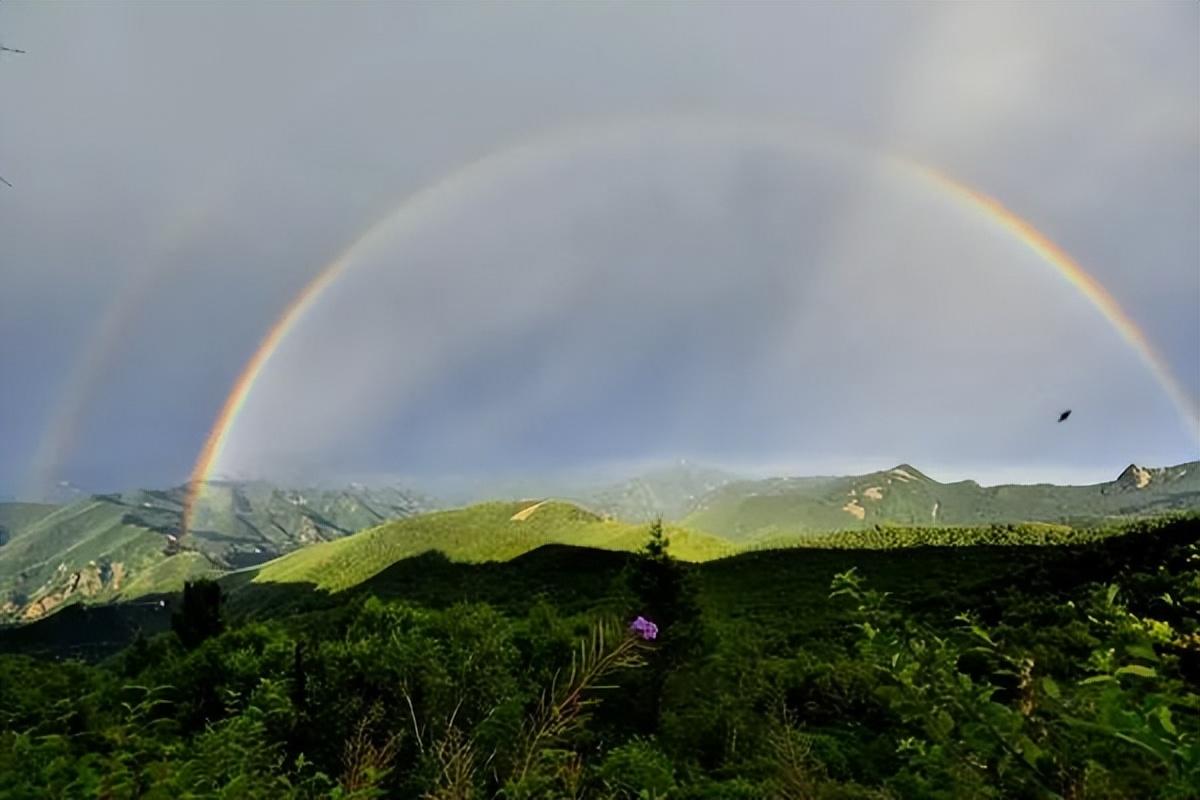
pixel 75 536
pixel 169 575
pixel 16 517
pixel 120 540
pixel 480 533
pixel 780 594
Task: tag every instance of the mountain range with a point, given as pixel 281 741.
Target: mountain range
pixel 124 545
pixel 110 545
pixel 903 495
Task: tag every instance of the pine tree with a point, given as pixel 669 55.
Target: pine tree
pixel 665 594
pixel 199 616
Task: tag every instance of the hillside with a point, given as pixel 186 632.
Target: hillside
pixel 14 517
pixel 124 544
pixel 817 673
pixel 755 510
pixel 480 533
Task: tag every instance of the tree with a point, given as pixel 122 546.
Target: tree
pixel 199 616
pixel 661 585
pixel 665 594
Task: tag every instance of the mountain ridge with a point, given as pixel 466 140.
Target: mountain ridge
pixel 120 544
pixel 97 547
pixel 904 495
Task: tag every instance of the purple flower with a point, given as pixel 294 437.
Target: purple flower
pixel 644 628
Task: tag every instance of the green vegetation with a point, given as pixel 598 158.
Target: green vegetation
pixel 1069 669
pixel 82 551
pixel 15 517
pixel 169 575
pixel 887 537
pixel 484 532
pixel 124 545
pixel 904 496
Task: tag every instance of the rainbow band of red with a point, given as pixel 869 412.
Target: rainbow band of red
pixel 1087 284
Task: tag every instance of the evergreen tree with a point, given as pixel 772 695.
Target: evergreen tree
pixel 665 594
pixel 199 616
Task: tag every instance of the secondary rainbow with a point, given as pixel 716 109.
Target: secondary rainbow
pixel 102 346
pixel 493 167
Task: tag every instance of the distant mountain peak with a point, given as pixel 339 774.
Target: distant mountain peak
pixel 1135 476
pixel 907 472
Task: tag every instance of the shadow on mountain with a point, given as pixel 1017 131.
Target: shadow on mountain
pixel 788 587
pixel 573 578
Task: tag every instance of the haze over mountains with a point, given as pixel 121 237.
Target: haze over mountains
pixel 103 547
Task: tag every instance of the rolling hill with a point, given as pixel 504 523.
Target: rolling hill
pixel 783 590
pixel 106 546
pixel 755 510
pixel 126 545
pixel 486 532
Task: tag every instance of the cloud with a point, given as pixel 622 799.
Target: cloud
pixel 722 277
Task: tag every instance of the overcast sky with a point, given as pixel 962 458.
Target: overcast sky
pixel 657 231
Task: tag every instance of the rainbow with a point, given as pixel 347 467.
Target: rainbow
pixel 492 168
pixel 1091 288
pixel 62 427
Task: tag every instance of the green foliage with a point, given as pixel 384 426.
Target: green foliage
pixel 126 545
pixel 637 770
pixel 480 533
pixel 661 586
pixel 1039 736
pixel 1065 671
pixel 785 507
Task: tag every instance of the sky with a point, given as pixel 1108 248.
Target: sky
pixel 579 235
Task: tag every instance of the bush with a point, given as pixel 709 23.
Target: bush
pixel 637 770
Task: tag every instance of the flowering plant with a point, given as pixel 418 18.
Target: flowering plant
pixel 644 628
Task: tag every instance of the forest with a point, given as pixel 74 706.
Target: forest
pixel 951 669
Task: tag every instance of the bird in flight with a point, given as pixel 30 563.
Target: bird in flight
pixel 1064 415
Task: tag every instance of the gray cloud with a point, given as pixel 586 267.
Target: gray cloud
pixel 715 299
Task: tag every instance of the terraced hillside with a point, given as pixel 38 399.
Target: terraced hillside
pixel 751 510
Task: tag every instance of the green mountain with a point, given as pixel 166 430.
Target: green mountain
pixel 108 546
pixel 497 531
pixel 749 510
pixel 670 491
pixel 127 545
pixel 16 516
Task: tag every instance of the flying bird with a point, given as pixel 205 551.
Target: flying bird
pixel 6 183
pixel 1064 415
